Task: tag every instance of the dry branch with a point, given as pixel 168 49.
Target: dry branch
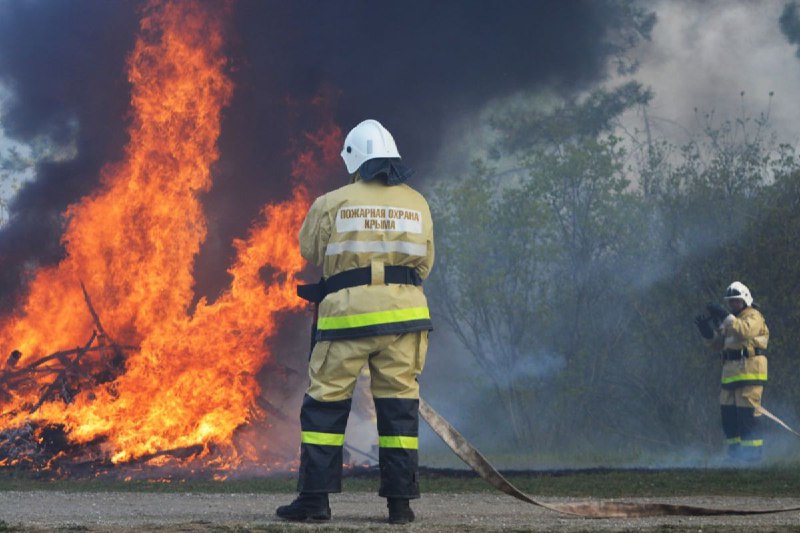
pixel 13 359
pixel 269 407
pixel 61 378
pixel 96 318
pixel 183 452
pixel 31 368
pixel 117 362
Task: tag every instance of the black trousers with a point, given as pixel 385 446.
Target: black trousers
pixel 744 432
pixel 323 425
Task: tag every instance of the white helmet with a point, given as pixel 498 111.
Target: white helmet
pixel 368 140
pixel 738 290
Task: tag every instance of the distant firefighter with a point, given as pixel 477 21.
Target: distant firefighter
pixel 740 334
pixel 374 241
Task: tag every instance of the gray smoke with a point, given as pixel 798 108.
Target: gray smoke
pixel 727 59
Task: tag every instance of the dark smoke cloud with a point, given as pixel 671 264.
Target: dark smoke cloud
pixel 412 64
pixel 790 23
pixel 63 62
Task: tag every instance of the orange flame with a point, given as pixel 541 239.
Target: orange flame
pixel 191 381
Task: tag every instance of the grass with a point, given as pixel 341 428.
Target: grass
pixel 773 481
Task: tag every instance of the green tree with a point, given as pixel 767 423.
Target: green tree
pixel 705 208
pixel 770 257
pixel 489 279
pixel 522 275
pixel 590 263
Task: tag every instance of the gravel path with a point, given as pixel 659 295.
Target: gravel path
pixel 136 511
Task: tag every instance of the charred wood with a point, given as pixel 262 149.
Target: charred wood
pixel 33 447
pixel 69 375
pixel 116 362
pixel 267 406
pixel 61 379
pixel 10 374
pixel 103 334
pixel 184 452
pixel 13 359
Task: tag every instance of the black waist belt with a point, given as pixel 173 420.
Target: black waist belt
pixel 355 277
pixel 735 355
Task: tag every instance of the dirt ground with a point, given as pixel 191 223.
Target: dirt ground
pixel 133 511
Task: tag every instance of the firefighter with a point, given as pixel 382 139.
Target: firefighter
pixel 374 241
pixel 741 336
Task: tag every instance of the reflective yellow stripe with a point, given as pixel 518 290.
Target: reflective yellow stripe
pixel 326 439
pixel 735 440
pixel 753 443
pixel 407 443
pixel 370 319
pixel 745 377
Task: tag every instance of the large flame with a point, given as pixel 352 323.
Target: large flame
pixel 187 377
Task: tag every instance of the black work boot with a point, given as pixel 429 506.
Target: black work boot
pixel 399 511
pixel 306 505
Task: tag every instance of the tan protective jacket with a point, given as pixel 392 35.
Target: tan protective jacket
pixel 749 335
pixel 370 224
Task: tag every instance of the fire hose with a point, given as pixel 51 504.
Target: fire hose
pixel 775 419
pixel 591 509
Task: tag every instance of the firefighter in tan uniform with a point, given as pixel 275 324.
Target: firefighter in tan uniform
pixel 374 240
pixel 741 336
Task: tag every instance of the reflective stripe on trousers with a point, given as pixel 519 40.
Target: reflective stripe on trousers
pixel 323 425
pixel 743 429
pixel 398 428
pixel 394 361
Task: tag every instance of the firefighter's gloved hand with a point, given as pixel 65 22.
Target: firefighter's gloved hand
pixel 717 312
pixel 703 323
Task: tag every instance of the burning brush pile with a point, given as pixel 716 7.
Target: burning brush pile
pixel 107 361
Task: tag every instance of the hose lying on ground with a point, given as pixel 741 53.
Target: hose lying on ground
pixel 592 509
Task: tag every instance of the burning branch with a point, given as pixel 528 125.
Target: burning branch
pixel 69 378
pixel 41 444
pixel 10 378
pixel 13 377
pixel 61 377
pixel 183 452
pixel 117 362
pixel 9 374
pixel 96 319
pixel 13 359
